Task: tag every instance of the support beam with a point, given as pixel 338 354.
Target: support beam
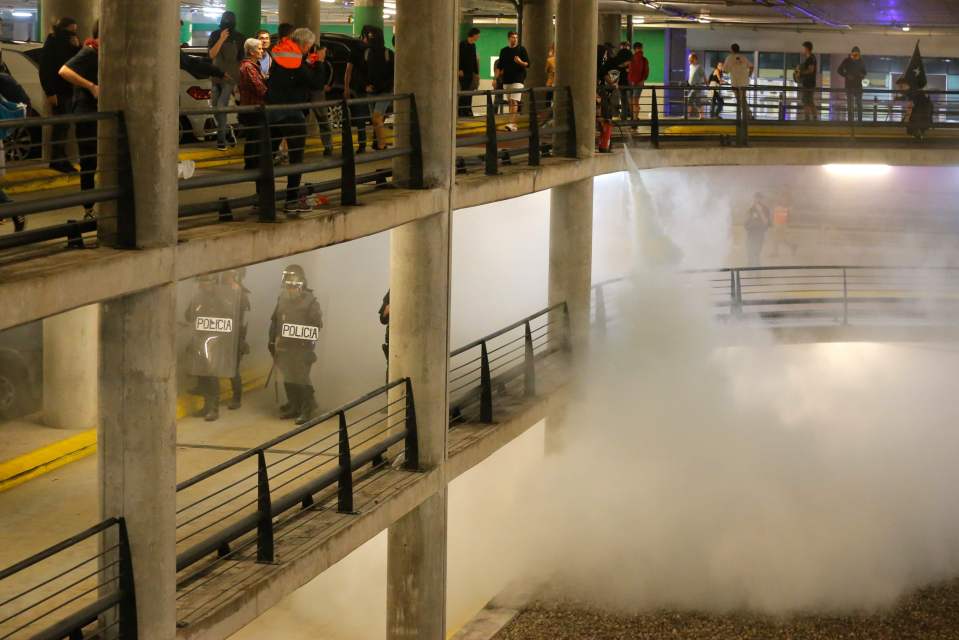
pixel 368 12
pixel 85 12
pixel 248 15
pixel 610 29
pixel 70 363
pixel 571 254
pixel 537 36
pixel 575 33
pixel 301 13
pixel 420 315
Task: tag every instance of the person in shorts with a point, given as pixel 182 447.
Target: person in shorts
pixel 512 64
pixel 806 74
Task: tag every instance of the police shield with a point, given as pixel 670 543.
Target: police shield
pixel 214 318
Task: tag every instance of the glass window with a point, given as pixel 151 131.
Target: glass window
pixel 771 70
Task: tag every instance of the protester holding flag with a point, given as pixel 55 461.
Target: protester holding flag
pixel 918 116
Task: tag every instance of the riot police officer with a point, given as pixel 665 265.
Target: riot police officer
pixel 213 317
pixel 294 330
pixel 233 280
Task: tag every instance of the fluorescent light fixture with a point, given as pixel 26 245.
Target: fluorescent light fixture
pixel 905 27
pixel 857 170
pixel 639 19
pixel 328 1
pixel 22 14
pixel 213 13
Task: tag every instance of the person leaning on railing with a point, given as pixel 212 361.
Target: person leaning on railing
pixel 252 89
pixel 82 71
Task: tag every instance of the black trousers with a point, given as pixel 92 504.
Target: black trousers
pixel 465 102
pixel 87 148
pixel 61 132
pixel 209 388
pixel 292 126
pixel 854 103
pixel 717 105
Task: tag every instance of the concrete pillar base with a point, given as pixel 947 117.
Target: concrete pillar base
pixel 70 363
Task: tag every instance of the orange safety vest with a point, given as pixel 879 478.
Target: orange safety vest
pixel 287 54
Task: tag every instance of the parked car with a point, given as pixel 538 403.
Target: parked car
pixel 21 370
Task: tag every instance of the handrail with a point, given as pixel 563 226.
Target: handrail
pixel 498 333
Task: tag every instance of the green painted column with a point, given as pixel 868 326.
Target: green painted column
pixel 367 12
pixel 248 15
pixel 186 32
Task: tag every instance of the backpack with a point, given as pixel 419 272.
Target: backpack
pixel 379 72
pixel 10 111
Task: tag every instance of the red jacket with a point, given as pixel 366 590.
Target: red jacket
pixel 638 70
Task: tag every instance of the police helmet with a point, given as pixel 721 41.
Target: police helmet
pixel 294 276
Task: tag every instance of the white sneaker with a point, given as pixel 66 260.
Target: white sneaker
pixel 511 127
pixel 185 169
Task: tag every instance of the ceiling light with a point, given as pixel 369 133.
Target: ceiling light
pixel 857 170
pixel 213 13
pixel 905 27
pixel 22 14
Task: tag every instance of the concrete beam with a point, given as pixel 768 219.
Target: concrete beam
pixel 571 254
pixel 301 13
pixel 576 24
pixel 538 34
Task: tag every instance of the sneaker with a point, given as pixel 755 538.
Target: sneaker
pixel 328 151
pixel 63 167
pixel 185 169
pixel 292 210
pixel 511 127
pixel 89 214
pixel 221 147
pixel 303 205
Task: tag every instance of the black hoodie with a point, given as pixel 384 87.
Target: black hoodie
pixel 56 51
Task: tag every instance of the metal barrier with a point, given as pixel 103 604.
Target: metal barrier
pixel 835 291
pixel 682 113
pixel 80 601
pixel 36 189
pixel 263 130
pixel 248 498
pixel 481 368
pixel 544 112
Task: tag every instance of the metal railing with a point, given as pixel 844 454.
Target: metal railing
pixel 33 188
pixel 247 492
pixel 481 369
pixel 311 132
pixel 544 112
pixel 92 598
pixel 683 113
pixel 839 292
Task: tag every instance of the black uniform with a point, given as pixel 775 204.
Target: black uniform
pixel 294 330
pixel 58 49
pixel 214 318
pixel 234 281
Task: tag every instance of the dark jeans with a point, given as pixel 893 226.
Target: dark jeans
pixel 854 103
pixel 465 102
pixel 625 108
pixel 292 126
pixel 716 108
pixel 250 126
pixel 61 132
pixel 87 149
pixel 209 388
pixel 322 115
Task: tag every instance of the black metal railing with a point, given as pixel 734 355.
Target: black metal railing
pixel 291 141
pixel 835 291
pixel 682 113
pixel 68 199
pixel 247 492
pixel 496 364
pixel 544 114
pixel 92 598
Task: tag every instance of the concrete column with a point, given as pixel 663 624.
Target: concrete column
pixel 85 12
pixel 70 359
pixel 537 36
pixel 302 13
pixel 419 317
pixel 571 253
pixel 368 12
pixel 248 15
pixel 137 444
pixel 610 29
pixel 575 28
pixel 138 57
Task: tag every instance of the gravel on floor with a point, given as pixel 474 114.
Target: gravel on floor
pixel 931 613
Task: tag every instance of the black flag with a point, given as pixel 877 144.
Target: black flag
pixel 915 75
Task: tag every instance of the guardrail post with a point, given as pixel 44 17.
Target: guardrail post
pixel 686 104
pixel 264 507
pixel 126 203
pixel 534 149
pixel 745 129
pixel 348 171
pixel 845 299
pixel 529 365
pixel 654 122
pixel 412 439
pixel 782 106
pixel 570 124
pixel 127 608
pixel 491 159
pixel 225 213
pixel 416 147
pixel 344 486
pixel 737 288
pixel 875 108
pixel 486 387
pixel 266 184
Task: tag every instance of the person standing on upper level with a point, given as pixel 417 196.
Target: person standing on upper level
pixel 740 70
pixel 83 72
pixel 853 69
pixel 806 74
pixel 252 88
pixel 513 62
pixel 59 47
pixel 716 84
pixel 468 72
pixel 638 74
pixel 696 96
pixel 226 51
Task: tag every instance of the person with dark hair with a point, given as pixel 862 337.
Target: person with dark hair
pixel 226 51
pixel 716 84
pixel 468 73
pixel 266 42
pixel 853 69
pixel 59 47
pixel 513 62
pixel 322 114
pixel 379 81
pixel 636 77
pixel 740 70
pixel 384 313
pixel 805 76
pixel 621 61
pixel 83 72
pixel 355 84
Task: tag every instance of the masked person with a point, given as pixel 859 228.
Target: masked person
pixel 233 281
pixel 214 317
pixel 294 330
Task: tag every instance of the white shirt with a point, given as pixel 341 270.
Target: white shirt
pixel 737 66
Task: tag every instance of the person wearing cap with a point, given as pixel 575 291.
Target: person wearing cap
pixel 853 69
